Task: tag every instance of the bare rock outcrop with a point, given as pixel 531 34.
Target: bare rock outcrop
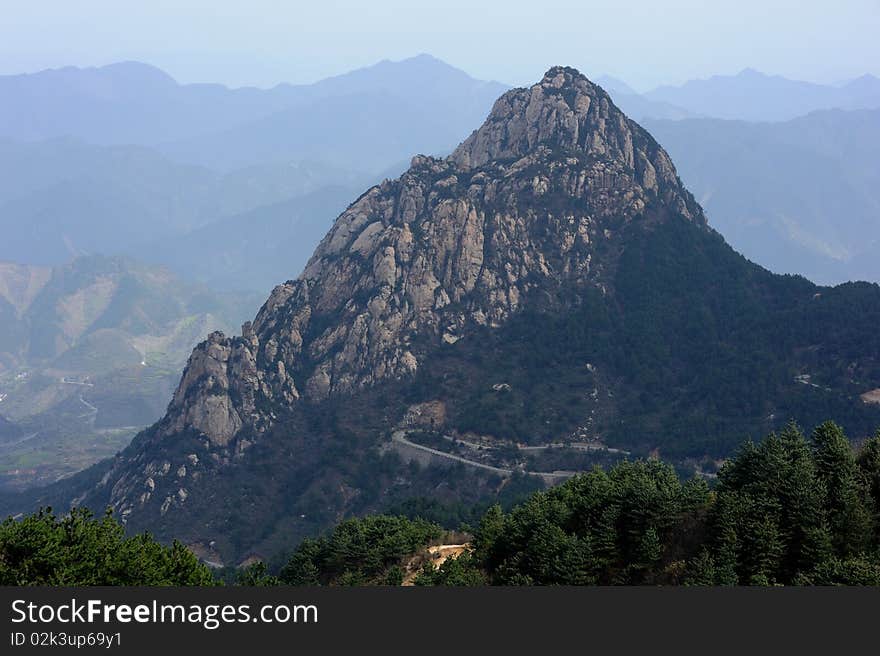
pixel 453 243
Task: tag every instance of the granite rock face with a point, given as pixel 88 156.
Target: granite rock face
pixel 453 243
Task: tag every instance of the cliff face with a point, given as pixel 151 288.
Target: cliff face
pixel 453 244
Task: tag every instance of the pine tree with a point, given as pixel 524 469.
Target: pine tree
pixel 849 517
pixel 79 549
pixel 701 570
pixel 869 468
pixel 802 495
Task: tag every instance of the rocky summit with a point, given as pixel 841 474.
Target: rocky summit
pixel 549 284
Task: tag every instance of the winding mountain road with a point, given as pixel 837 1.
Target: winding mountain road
pixel 399 436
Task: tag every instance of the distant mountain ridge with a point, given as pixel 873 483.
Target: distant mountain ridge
pixel 748 96
pixel 63 198
pixel 754 96
pixel 253 250
pixel 122 158
pixel 799 196
pixel 133 103
pixel 637 105
pixel 124 103
pixel 365 119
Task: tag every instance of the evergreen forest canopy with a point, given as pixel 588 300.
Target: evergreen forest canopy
pixel 786 511
pixel 79 549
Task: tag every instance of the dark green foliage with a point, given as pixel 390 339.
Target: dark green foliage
pixel 691 349
pixel 869 468
pixel 322 466
pixel 785 511
pixel 787 507
pixel 854 571
pixel 452 515
pixel 771 519
pixel 457 515
pixel 713 343
pixel 848 514
pixel 359 552
pixel 621 526
pixel 701 570
pixel 462 571
pixel 255 575
pixel 78 549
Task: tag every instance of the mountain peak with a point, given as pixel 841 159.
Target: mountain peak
pixel 139 71
pixel 564 112
pixel 863 81
pixel 560 75
pixel 559 110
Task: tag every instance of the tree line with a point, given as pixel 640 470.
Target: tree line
pixel 789 510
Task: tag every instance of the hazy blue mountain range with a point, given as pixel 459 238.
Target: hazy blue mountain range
pixel 89 351
pixel 638 106
pixel 417 105
pixel 801 196
pixel 63 198
pixel 259 150
pixel 256 249
pixel 644 108
pixel 364 120
pixel 126 103
pixel 72 183
pixel 366 131
pixel 754 96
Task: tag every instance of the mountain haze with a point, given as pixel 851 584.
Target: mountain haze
pixel 63 198
pixel 754 96
pixel 221 128
pixel 124 160
pixel 254 249
pixel 89 352
pixel 800 196
pixel 366 119
pixel 636 105
pixel 124 103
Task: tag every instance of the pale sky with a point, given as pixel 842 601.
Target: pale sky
pixel 263 42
